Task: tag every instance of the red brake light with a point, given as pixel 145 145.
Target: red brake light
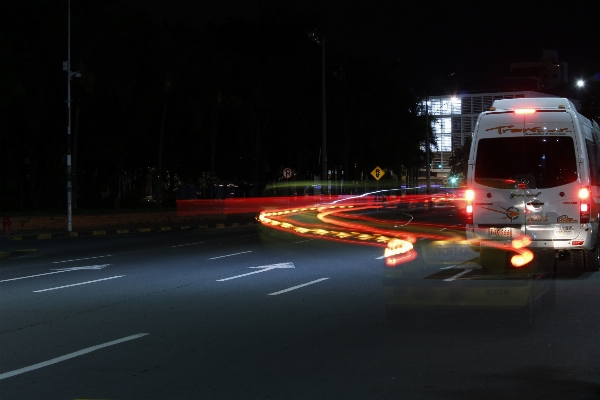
pixel 584 205
pixel 524 111
pixel 469 196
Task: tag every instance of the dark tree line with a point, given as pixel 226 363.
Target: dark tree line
pixel 159 105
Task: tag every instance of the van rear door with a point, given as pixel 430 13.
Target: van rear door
pixel 551 202
pixel 525 176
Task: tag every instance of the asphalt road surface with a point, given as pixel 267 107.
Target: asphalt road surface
pixel 257 313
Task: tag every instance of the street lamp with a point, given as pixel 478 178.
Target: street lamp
pixel 320 39
pixel 580 83
pixel 427 127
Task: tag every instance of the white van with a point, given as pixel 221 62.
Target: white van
pixel 533 177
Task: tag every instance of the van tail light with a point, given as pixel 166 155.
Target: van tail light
pixel 469 196
pixel 584 205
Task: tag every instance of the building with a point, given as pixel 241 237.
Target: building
pixel 453 118
pixel 547 74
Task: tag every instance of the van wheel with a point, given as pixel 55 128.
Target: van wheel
pixel 592 258
pixel 577 260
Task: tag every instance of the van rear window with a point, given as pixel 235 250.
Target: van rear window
pixel 541 161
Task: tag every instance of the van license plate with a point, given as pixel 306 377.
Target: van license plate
pixel 501 232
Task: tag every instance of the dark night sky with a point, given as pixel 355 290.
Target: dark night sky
pixel 475 39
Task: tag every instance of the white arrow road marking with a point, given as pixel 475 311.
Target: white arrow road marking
pixel 80 268
pixel 77 284
pixel 70 355
pixel 296 287
pixel 466 271
pixel 58 271
pixel 229 255
pixel 261 269
pixel 80 259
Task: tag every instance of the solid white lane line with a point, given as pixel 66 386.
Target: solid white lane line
pixel 296 287
pixel 77 284
pixel 68 356
pixel 187 244
pixel 379 258
pixel 229 255
pixel 466 271
pixel 80 259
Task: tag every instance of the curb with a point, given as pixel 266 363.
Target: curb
pixel 16 253
pixel 107 232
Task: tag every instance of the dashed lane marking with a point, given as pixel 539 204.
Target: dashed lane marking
pixel 229 255
pixel 187 244
pixel 297 287
pixel 466 271
pixel 302 241
pixel 77 284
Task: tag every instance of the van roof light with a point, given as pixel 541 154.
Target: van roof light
pixel 524 111
pixel 492 108
pixel 561 106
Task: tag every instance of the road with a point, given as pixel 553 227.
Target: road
pixel 253 313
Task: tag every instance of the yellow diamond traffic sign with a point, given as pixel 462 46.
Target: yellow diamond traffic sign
pixel 377 173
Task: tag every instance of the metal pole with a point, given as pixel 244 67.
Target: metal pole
pixel 69 176
pixel 323 121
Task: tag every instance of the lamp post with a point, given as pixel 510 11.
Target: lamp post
pixel 70 75
pixel 323 118
pixel 427 127
pixel 322 39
